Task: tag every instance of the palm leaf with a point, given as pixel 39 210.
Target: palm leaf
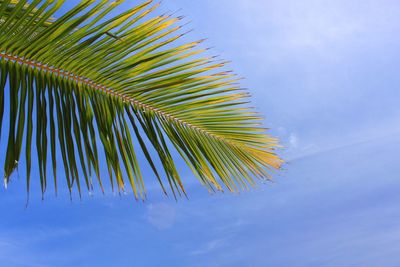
pixel 125 84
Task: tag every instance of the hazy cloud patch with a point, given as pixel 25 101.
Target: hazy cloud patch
pixel 161 215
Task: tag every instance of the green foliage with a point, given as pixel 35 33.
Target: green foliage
pixel 122 83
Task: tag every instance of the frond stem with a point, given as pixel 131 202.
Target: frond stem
pixel 109 91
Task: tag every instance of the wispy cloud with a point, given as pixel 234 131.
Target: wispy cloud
pixel 210 246
pixel 161 215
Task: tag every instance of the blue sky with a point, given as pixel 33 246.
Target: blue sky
pixel 325 76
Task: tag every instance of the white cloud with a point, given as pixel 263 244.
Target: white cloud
pixel 210 246
pixel 161 215
pixel 293 140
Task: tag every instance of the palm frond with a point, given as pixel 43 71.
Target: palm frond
pixel 124 83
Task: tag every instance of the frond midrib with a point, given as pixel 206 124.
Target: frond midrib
pixel 125 98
